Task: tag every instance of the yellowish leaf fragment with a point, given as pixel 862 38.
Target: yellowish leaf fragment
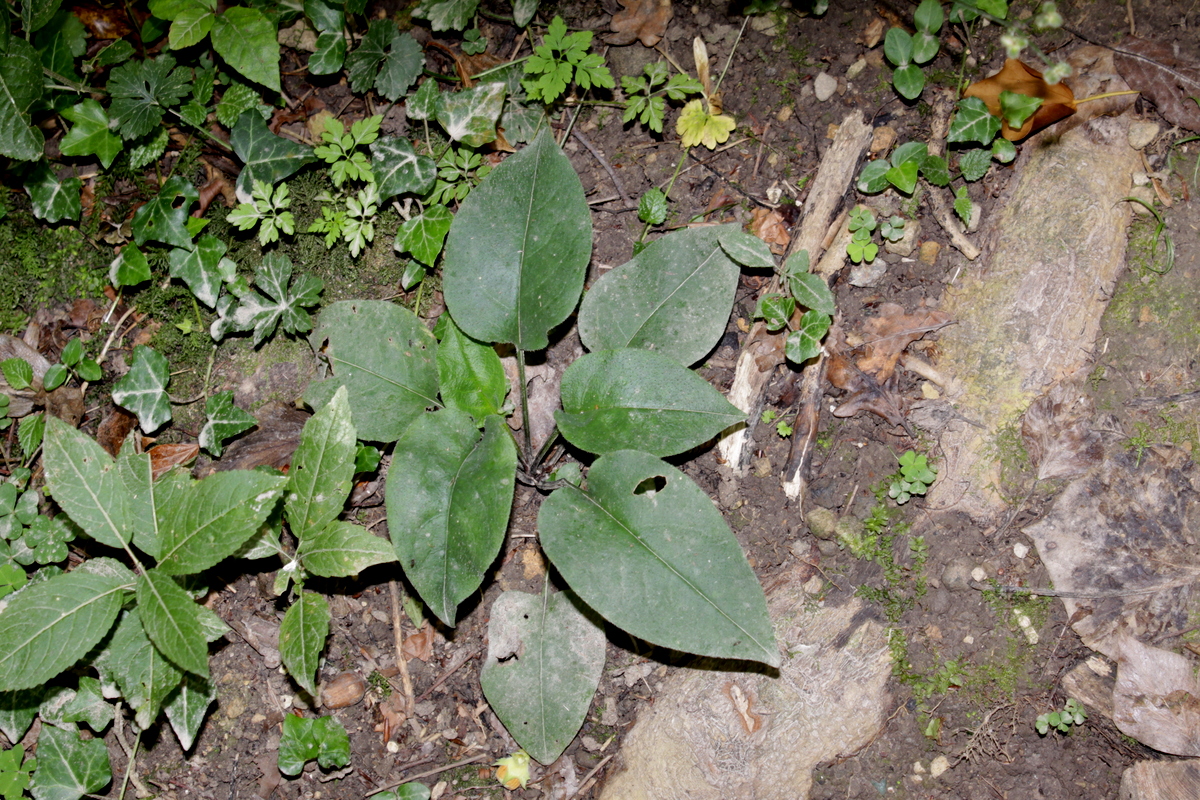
pixel 698 125
pixel 513 771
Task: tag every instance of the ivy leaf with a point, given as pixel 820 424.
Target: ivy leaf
pixel 197 267
pixel 447 15
pixel 329 53
pixel 267 157
pixel 424 234
pixel 247 40
pixel 423 103
pixel 324 739
pixel 143 390
pixel 224 420
pixel 973 123
pixel 775 310
pixel 805 342
pixel 873 178
pixel 91 134
pixel 20 88
pixel 1003 150
pixel 698 125
pixel 283 306
pixel 69 767
pixel 399 169
pixel 470 116
pixel 164 218
pixel 401 66
pixel 302 636
pixel 904 176
pixel 1015 108
pixel 142 90
pixel 53 200
pixel 129 268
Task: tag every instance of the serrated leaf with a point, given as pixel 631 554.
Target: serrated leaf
pixel 146 149
pixel 470 373
pixel 197 267
pixel 187 706
pixel 343 549
pixel 237 98
pixel 164 217
pixel 20 88
pixel 542 696
pixel 749 251
pixel 401 66
pixel 449 493
pixel 223 420
pixel 69 767
pixel 629 550
pixel 303 740
pixel 53 200
pixel 246 39
pixel 267 157
pixel 91 134
pixel 302 636
pixel 974 163
pixel 447 15
pixel 811 291
pixel 384 356
pixel 362 65
pixel 142 90
pixel 613 397
pixel 424 233
pixel 202 522
pixel 469 116
pixel 518 249
pixel 88 705
pixel 143 390
pixel 963 205
pixel 322 470
pixel 170 619
pixel 805 342
pixel 47 627
pixel 85 483
pixel 973 123
pixel 935 170
pixel 652 206
pixel 136 471
pixel 673 298
pixel 145 677
pixel 399 168
pixel 190 26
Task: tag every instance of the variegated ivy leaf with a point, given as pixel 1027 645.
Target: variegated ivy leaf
pixel 164 218
pixel 805 342
pixel 52 199
pixel 143 390
pixel 282 306
pixel 267 157
pixel 224 420
pixel 399 169
pixel 129 268
pixel 447 15
pixel 424 234
pixel 197 267
pixel 470 116
pixel 423 103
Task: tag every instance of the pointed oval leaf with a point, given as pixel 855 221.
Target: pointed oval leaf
pixel 631 552
pixel 543 694
pixel 47 627
pixel 811 291
pixel 470 372
pixel 614 397
pixel 343 549
pixel 322 470
pixel 187 706
pixel 143 674
pixel 449 494
pixel 518 249
pixel 246 39
pixel 673 298
pixel 302 637
pixel 386 359
pixel 84 481
pixel 171 619
pixel 749 251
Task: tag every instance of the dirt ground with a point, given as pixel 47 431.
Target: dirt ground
pixel 973 682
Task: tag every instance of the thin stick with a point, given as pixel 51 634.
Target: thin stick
pixel 599 156
pixel 401 661
pixel 584 786
pixel 524 406
pixel 427 773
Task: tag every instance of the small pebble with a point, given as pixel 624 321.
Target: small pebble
pixel 1020 550
pixel 938 766
pixel 979 575
pixel 343 691
pixel 1142 133
pixel 929 252
pixel 824 86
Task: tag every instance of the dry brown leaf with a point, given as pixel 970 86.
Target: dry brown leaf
pixel 1057 433
pixel 419 644
pixel 644 20
pixel 1168 81
pixel 114 428
pixel 272 443
pixel 104 23
pixel 768 225
pixel 165 456
pixel 1017 76
pixel 887 334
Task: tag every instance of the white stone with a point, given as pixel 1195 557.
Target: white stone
pixel 856 69
pixel 824 86
pixel 938 766
pixel 1142 133
pixel 1020 549
pixel 979 574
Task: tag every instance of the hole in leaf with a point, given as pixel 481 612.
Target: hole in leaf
pixel 651 486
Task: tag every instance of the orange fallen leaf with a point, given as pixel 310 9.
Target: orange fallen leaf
pixel 165 456
pixel 768 225
pixel 1058 101
pixel 887 334
pixel 419 645
pixel 644 20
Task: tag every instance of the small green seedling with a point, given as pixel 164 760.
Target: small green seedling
pixel 563 60
pixel 907 50
pixel 862 225
pixel 323 740
pixel 646 97
pixel 268 210
pixel 915 477
pixel 1063 721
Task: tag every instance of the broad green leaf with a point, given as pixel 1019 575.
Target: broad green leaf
pixel 202 522
pixel 247 40
pixel 142 90
pixel 49 626
pixel 909 151
pixel 447 15
pixel 222 420
pixel 146 678
pixel 873 178
pixel 238 98
pixel 342 549
pixel 928 17
pixel 52 199
pixel 35 14
pixel 543 693
pixel 164 217
pixel 171 620
pixel 267 157
pixel 384 356
pixel 69 767
pixel 325 15
pixel 424 233
pixel 85 483
pixel 1015 108
pixel 673 298
pixel 17 710
pixel 449 493
pixel 91 134
pixel 470 373
pixel 322 470
pixel 143 390
pixel 1003 150
pixel 973 123
pixel 302 636
pixel 523 12
pixel 137 475
pixel 904 177
pixel 190 26
pixel 197 267
pixel 909 80
pixel 88 705
pixel 173 9
pixel 652 206
pixel 329 55
pixel 643 538
pixel 324 739
pixel 811 291
pixel 974 163
pixel 409 791
pixel 20 88
pixel 399 169
pixel 898 46
pixel 935 170
pixel 18 373
pixel 401 66
pixel 749 251
pixel 518 249
pixel 614 397
pixel 469 116
pixel 362 65
pixel 775 310
pixel 805 342
pixel 187 706
pixel 924 47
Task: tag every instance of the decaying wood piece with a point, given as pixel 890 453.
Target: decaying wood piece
pixel 762 352
pixel 1161 780
pixel 1030 317
pixel 943 106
